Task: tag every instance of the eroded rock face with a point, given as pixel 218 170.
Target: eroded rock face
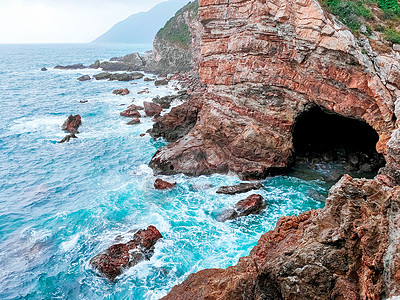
pixel 115 259
pixel 338 252
pixel 265 62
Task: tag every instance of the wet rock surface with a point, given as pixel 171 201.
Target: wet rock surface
pixel 152 109
pixel 118 257
pixel 70 67
pixel 72 124
pixel 240 188
pixel 84 78
pixel 122 92
pixel 253 204
pixel 160 184
pixel 338 252
pixel 166 101
pixel 133 121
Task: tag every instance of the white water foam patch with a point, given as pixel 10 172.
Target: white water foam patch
pixel 44 125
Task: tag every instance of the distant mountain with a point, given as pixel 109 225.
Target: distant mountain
pixel 141 28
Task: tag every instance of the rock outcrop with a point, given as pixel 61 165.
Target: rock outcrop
pixel 152 109
pixel 115 259
pixel 267 62
pixel 347 250
pixel 253 204
pixel 176 47
pixel 72 124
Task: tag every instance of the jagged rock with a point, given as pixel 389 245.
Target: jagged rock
pixel 122 92
pixel 160 184
pixel 96 65
pixel 178 122
pixel 67 138
pixel 130 113
pixel 133 122
pixel 70 67
pixel 72 124
pixel 84 78
pixel 135 107
pixel 343 251
pixel 166 101
pixel 118 257
pixel 252 205
pixel 161 82
pixel 152 109
pixel 240 188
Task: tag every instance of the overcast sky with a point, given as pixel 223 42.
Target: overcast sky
pixel 63 21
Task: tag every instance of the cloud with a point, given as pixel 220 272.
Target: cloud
pixel 68 21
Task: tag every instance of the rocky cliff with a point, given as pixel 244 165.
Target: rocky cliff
pixel 176 46
pixel 265 64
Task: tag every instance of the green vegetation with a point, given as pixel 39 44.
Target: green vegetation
pixel 176 30
pixel 355 13
pixel 392 35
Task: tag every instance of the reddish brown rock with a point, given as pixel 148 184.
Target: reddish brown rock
pixel 161 82
pixel 130 113
pixel 133 121
pixel 266 62
pixel 135 107
pixel 121 92
pixel 152 109
pixel 252 205
pixel 143 92
pixel 160 184
pixel 115 259
pixel 347 250
pixel 240 188
pixel 72 124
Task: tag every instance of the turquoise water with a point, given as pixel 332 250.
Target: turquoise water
pixel 60 204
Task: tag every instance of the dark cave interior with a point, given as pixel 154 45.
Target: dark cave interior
pixel 325 139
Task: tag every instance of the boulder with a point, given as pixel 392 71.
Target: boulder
pixel 133 122
pixel 160 184
pixel 125 76
pixel 43 69
pixel 148 79
pixel 161 82
pixel 240 188
pixel 122 92
pixel 115 259
pixel 253 204
pixel 103 76
pixel 130 113
pixel 84 78
pixel 152 109
pixel 135 107
pixel 72 124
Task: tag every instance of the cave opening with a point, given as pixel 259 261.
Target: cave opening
pixel 335 144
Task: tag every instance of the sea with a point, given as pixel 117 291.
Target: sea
pixel 61 204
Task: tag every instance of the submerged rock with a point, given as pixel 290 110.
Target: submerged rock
pixel 67 138
pixel 152 109
pixel 43 69
pixel 253 204
pixel 84 78
pixel 240 188
pixel 160 184
pixel 122 92
pixel 72 124
pixel 70 67
pixel 118 257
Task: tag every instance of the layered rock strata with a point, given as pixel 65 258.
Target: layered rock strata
pixel 266 62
